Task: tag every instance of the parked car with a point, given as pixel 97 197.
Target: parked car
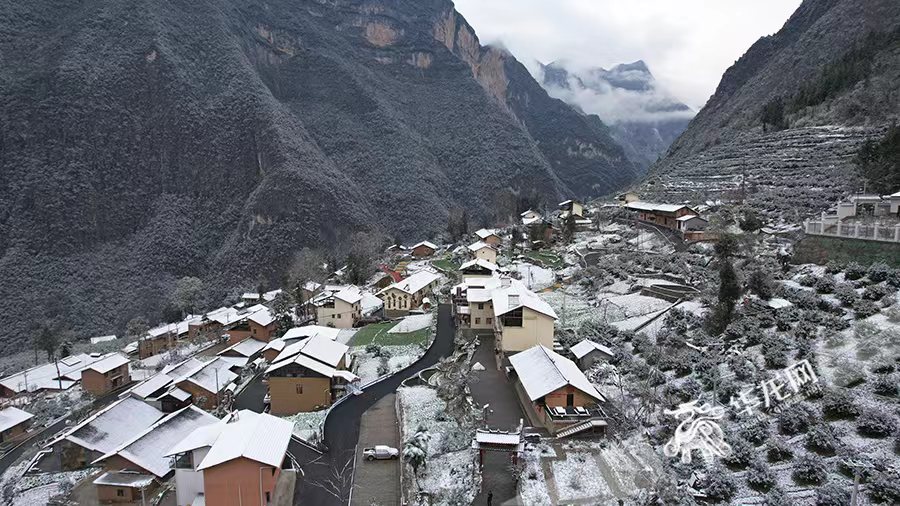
pixel 381 452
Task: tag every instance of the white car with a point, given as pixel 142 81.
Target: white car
pixel 381 452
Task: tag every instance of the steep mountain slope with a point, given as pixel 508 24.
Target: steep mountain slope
pixel 793 111
pixel 644 119
pixel 144 141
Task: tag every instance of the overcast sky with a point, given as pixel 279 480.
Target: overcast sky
pixel 687 44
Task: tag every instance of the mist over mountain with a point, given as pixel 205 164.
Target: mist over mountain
pixel 644 118
pixel 144 141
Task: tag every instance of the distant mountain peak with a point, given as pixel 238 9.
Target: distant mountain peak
pixel 635 66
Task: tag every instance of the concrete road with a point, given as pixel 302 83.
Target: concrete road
pixel 377 481
pixel 329 480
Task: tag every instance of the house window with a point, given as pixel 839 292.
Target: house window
pixel 120 492
pixel 481 305
pixel 184 461
pixel 339 316
pixel 299 388
pixel 477 321
pixel 512 318
pixel 489 321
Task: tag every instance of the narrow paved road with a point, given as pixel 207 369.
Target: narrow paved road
pixel 329 479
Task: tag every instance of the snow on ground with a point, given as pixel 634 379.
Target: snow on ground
pixel 621 307
pixel 650 241
pixel 345 335
pixel 579 477
pixel 636 322
pixel 451 478
pixel 535 277
pixel 533 485
pixel 308 426
pixel 35 489
pixel 399 357
pixel 572 310
pixel 412 323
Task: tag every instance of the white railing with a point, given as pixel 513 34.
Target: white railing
pixel 866 232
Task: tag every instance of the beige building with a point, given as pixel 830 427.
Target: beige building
pixel 571 206
pixel 402 297
pixel 483 251
pixel 339 309
pixel 308 375
pixel 489 236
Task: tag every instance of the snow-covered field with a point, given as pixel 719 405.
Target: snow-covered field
pixel 400 356
pixel 412 323
pixel 578 477
pixel 534 277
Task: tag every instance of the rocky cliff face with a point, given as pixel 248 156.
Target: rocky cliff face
pixel 644 119
pixel 822 85
pixel 144 141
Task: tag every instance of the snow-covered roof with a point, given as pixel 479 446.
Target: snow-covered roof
pixel 44 376
pixel 259 437
pixel 108 363
pixel 778 303
pixel 542 371
pixel 152 384
pixel 108 428
pixel 103 339
pixel 262 317
pixel 414 283
pixel 314 365
pixel 183 367
pixel 178 394
pixel 516 295
pixel 311 286
pixel 480 262
pixel 484 233
pixel 503 438
pixel 650 206
pixel 128 479
pixel 246 348
pixel 318 347
pixel 565 203
pixel 426 244
pixel 225 315
pixel 271 294
pixel 250 295
pixel 12 416
pixel 201 437
pixel 586 346
pixel 475 246
pixel 216 372
pixel 148 448
pixel 528 212
pixel 350 294
pixel 689 217
pixel 529 221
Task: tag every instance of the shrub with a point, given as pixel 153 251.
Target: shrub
pixel 760 283
pixel 777 497
pixel 742 453
pixel 718 484
pixel 776 451
pixel 807 280
pixel 755 431
pixel 839 404
pixel 854 271
pixel 759 476
pixel 878 272
pixel 884 485
pixel 825 284
pixel 832 494
pixel 821 439
pixel 834 267
pixel 877 292
pixel 865 308
pixel 886 384
pixel 848 372
pixel 796 418
pixel 809 469
pixel 845 293
pixel 775 354
pixel 875 422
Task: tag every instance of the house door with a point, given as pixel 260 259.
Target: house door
pixel 570 400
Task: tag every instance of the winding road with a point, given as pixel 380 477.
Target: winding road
pixel 328 478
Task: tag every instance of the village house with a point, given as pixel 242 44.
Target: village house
pixel 384 277
pixel 530 217
pixel 308 375
pixel 518 318
pixel 861 217
pixel 257 322
pixel 484 251
pixel 489 236
pixel 339 308
pixel 663 215
pixel 105 375
pixel 423 249
pixel 276 346
pixel 407 295
pixel 253 298
pixel 133 471
pixel 628 197
pixel 102 432
pixel 13 424
pixel 206 384
pixel 588 353
pixel 244 351
pixel 103 339
pixel 54 376
pixel 478 268
pixel 237 461
pixel 571 206
pixel 555 393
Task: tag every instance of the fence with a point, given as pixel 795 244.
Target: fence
pixel 866 232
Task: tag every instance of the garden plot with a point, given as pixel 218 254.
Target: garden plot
pixel 372 364
pixel 534 277
pixel 308 425
pixel 572 310
pixel 578 477
pixel 411 324
pixel 623 307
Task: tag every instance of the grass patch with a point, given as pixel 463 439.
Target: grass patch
pixel 546 258
pixel 377 333
pixel 445 264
